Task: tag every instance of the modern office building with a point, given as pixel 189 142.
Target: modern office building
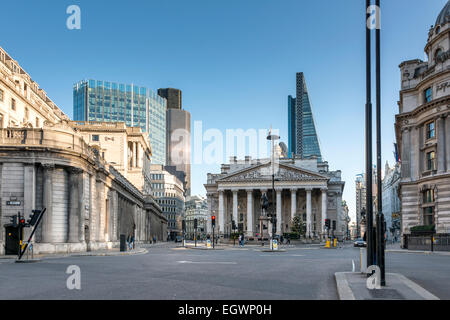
pixel 104 101
pixel 303 139
pixel 168 191
pixel 178 134
pixel 422 128
pixel 173 97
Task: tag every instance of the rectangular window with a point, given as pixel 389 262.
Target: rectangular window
pixel 431 161
pixel 428 216
pixel 428 95
pixel 431 130
pixel 13 104
pixel 37 122
pixel 428 196
pixel 1 95
pixel 95 137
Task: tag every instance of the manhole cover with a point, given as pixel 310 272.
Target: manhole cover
pixel 386 294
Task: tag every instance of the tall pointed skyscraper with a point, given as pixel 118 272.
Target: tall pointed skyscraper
pixel 303 139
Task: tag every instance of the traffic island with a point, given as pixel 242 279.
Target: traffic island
pixel 353 286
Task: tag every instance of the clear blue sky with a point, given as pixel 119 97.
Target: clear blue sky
pixel 235 60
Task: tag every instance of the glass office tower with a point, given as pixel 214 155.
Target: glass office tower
pixel 104 101
pixel 303 139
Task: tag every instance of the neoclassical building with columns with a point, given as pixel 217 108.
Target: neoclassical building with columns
pixel 302 187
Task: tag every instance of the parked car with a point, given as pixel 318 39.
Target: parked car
pixel 178 239
pixel 359 243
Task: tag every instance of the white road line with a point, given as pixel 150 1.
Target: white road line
pixel 353 265
pixel 206 262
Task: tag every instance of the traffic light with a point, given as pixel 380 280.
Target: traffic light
pixel 22 222
pixel 183 225
pixel 34 217
pixel 233 225
pixel 327 223
pixel 195 223
pixel 213 221
pixel 13 220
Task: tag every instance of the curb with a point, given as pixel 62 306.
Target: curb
pixel 344 291
pixel 438 253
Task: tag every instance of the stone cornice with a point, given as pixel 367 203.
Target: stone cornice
pixel 424 107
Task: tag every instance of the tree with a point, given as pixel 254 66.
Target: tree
pixel 298 226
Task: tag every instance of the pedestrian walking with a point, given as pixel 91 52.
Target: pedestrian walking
pixel 288 239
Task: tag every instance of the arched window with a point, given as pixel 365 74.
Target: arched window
pixel 438 29
pixel 437 53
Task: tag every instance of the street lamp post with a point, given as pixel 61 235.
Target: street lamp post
pixel 273 137
pixel 380 216
pixel 369 200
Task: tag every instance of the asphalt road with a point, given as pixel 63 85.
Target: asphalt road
pixel 169 272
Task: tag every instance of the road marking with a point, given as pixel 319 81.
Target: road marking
pixel 207 262
pixel 353 265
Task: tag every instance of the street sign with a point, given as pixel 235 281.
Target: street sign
pixel 13 203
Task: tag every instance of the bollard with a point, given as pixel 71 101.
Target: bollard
pixel 363 260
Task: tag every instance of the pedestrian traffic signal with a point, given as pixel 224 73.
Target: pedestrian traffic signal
pixel 213 221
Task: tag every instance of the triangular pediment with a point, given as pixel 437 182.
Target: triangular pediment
pixel 263 172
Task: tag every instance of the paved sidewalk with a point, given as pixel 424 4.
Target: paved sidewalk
pixel 397 249
pixel 353 286
pixel 112 252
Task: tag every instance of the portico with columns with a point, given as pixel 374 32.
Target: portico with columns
pixel 298 191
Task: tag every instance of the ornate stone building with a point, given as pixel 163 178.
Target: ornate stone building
pixel 126 148
pixel 304 187
pixel 45 162
pixel 89 203
pixel 423 133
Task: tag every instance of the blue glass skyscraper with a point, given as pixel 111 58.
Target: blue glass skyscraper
pixel 303 139
pixel 104 101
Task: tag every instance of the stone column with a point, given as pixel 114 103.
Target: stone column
pixel 235 206
pixel 339 213
pixel 415 153
pixel 441 145
pixel 308 212
pixel 221 212
pixel 447 142
pixel 75 212
pixel 93 208
pixel 293 203
pixel 47 228
pixel 29 187
pixel 324 209
pixel 250 213
pixel 279 217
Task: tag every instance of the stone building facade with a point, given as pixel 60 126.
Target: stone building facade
pixel 423 133
pixel 22 102
pixel 126 148
pixel 303 187
pixel 89 203
pixel 168 190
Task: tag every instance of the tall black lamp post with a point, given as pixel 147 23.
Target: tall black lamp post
pixel 273 137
